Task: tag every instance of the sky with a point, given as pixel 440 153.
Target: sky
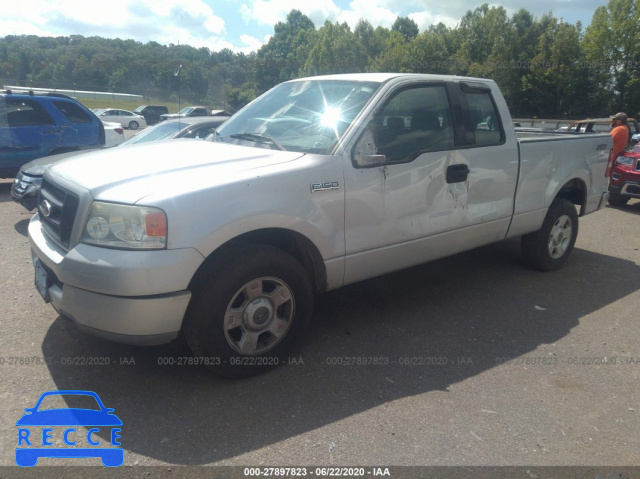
pixel 243 25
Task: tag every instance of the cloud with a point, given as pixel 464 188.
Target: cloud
pixel 250 44
pixel 376 12
pixel 270 12
pixel 190 22
pixel 425 19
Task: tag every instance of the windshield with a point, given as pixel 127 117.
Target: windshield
pixel 186 111
pixel 305 116
pixel 158 132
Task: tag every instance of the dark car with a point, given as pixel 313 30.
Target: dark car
pixel 624 182
pixel 186 113
pixel 36 125
pixel 26 186
pixel 151 113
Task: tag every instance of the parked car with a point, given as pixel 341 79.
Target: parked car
pixel 126 118
pixel 26 186
pixel 151 113
pixel 186 112
pixel 319 183
pixel 198 127
pixel 33 125
pixel 113 134
pixel 624 183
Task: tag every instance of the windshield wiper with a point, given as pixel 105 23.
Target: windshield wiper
pixel 258 138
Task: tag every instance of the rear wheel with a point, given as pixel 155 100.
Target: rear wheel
pixel 548 248
pixel 133 125
pixel 247 311
pixel 615 199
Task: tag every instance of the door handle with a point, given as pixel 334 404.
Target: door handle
pixel 457 173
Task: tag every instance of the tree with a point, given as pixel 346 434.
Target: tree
pixel 336 50
pixel 406 27
pixel 557 81
pixel 286 52
pixel 612 53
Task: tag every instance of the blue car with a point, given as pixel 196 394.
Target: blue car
pixel 27 453
pixel 36 125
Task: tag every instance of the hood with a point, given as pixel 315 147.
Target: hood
pixel 37 166
pixel 166 168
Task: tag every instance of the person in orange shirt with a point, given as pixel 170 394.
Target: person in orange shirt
pixel 620 133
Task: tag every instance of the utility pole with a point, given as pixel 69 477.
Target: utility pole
pixel 177 74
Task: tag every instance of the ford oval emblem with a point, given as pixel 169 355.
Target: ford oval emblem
pixel 45 208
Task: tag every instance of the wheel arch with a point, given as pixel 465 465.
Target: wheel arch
pixel 301 248
pixel 575 191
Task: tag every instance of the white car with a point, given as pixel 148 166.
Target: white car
pixel 126 118
pixel 113 133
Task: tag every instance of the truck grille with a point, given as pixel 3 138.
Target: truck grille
pixel 57 208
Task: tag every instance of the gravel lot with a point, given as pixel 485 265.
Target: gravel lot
pixel 477 361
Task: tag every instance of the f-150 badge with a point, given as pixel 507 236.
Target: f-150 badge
pixel 328 185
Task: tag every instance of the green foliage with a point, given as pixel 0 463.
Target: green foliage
pixel 612 51
pixel 406 27
pixel 544 66
pixel 336 50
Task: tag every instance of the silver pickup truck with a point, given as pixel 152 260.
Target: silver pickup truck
pixel 318 183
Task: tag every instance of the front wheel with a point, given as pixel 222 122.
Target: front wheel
pixel 133 125
pixel 548 248
pixel 247 311
pixel 615 199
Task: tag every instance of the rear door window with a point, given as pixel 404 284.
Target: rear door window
pixel 73 112
pixel 484 118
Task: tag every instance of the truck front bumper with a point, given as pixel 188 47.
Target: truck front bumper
pixel 133 297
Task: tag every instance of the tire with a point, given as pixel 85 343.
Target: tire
pixel 548 248
pixel 247 311
pixel 133 125
pixel 615 199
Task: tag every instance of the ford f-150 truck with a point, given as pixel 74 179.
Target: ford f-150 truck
pixel 318 183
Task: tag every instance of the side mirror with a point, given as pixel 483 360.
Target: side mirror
pixel 371 161
pixel 365 153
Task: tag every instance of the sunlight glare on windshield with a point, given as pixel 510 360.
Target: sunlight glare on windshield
pixel 331 117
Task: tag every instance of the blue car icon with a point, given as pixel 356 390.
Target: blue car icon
pixel 45 420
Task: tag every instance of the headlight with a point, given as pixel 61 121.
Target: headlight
pixel 625 160
pixel 127 227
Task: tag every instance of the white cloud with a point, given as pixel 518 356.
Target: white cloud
pixel 251 44
pixel 375 12
pixel 270 12
pixel 21 27
pixel 425 19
